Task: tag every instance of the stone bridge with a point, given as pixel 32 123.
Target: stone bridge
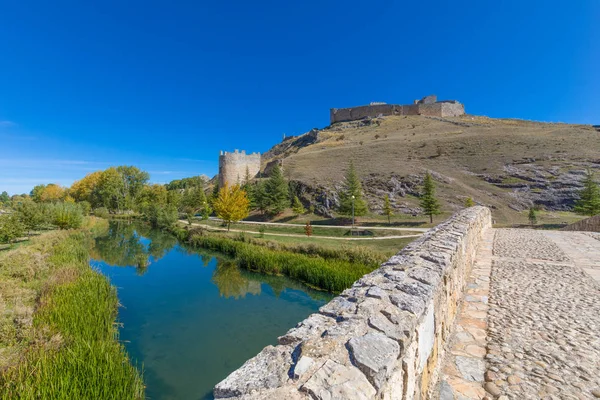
pixel 464 312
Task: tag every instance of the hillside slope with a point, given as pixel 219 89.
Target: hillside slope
pixel 505 164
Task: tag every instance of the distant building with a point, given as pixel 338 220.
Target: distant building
pixel 233 166
pixel 426 106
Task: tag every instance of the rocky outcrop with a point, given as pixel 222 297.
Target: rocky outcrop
pixel 383 338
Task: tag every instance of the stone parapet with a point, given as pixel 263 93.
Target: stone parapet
pixel 384 337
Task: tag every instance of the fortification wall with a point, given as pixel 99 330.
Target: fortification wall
pixel 354 113
pixel 452 109
pixel 232 166
pixel 384 337
pixel 428 106
pixel 591 224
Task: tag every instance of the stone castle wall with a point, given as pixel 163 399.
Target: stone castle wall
pixel 427 106
pixel 232 166
pixel 383 338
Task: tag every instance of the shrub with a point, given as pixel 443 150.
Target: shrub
pixel 101 212
pixel 66 215
pixel 86 207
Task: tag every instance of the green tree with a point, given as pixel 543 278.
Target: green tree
pixel 429 203
pixel 161 216
pixel 32 215
pixel 36 193
pixel 297 206
pixel 11 228
pixel 589 197
pixel 4 198
pixel 277 191
pixel 469 202
pixel 387 208
pixel 532 216
pixel 110 190
pixel 261 202
pixel 248 188
pixel 232 204
pixel 352 193
pixel 134 180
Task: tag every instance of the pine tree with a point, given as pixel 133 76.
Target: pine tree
pixel 232 204
pixel 248 188
pixel 215 192
pixel 589 197
pixel 387 208
pixel 469 202
pixel 277 191
pixel 429 203
pixel 352 187
pixel 297 206
pixel 259 193
pixel 532 216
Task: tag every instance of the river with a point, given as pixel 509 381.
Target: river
pixel 191 317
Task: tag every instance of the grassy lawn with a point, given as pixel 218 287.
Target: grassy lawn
pixel 387 247
pixel 545 220
pixel 299 230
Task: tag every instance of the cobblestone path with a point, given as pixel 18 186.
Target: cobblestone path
pixel 542 319
pixel 544 316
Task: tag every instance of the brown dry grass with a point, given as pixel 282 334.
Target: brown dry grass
pixel 414 144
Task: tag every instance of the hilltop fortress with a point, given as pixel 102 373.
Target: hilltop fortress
pixel 233 166
pixel 428 106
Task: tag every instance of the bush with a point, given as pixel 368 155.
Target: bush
pixel 101 212
pixel 161 216
pixel 66 215
pixel 86 207
pixel 11 228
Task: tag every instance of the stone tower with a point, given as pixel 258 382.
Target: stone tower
pixel 232 166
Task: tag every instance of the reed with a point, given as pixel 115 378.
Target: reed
pixel 333 275
pixel 72 350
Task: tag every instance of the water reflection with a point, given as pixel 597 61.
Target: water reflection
pixel 191 317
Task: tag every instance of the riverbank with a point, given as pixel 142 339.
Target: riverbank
pixel 59 338
pixel 321 268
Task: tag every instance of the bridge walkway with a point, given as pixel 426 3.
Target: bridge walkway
pixel 529 323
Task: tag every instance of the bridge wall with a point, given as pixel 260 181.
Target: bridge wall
pixel 384 337
pixel 591 224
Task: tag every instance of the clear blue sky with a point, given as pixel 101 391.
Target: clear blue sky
pixel 166 85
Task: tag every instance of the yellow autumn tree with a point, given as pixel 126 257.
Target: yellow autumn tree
pixel 82 189
pixel 232 204
pixel 52 193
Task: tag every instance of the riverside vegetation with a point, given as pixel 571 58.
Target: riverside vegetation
pixel 58 336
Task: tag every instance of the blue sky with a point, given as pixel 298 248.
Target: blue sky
pixel 166 85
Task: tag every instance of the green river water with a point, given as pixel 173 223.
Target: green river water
pixel 191 317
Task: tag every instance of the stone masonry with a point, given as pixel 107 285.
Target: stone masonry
pixel 428 106
pixel 383 338
pixel 233 166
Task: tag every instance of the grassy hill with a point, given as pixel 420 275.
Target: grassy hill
pixel 505 164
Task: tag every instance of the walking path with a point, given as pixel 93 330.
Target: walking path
pixel 386 228
pixel 542 320
pixel 303 236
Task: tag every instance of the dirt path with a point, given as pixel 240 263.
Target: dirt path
pixel 385 228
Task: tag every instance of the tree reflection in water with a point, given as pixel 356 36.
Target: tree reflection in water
pixel 135 244
pixel 231 281
pixel 123 245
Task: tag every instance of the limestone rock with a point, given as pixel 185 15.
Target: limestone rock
pixel 303 365
pixel 265 371
pixel 337 381
pixel 407 302
pixel 374 354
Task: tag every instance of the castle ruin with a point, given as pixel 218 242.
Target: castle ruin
pixel 233 166
pixel 428 106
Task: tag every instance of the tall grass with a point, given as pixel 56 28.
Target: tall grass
pixel 73 352
pixel 333 275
